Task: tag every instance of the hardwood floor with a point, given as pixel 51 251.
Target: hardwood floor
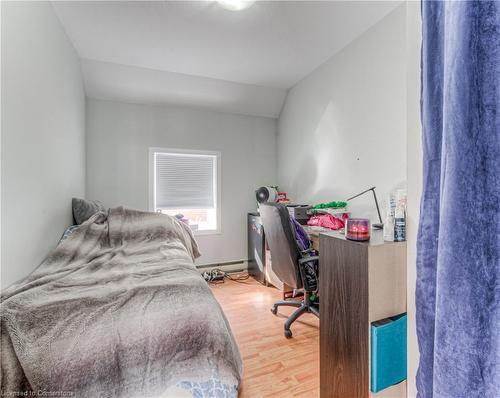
pixel 273 365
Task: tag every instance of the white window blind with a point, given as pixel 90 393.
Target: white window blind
pixel 185 181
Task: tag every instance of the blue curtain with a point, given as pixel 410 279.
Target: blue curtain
pixel 458 247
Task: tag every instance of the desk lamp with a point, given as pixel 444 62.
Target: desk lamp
pixel 375 226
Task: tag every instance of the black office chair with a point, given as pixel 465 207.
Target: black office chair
pixel 292 266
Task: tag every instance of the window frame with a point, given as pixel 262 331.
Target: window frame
pixel 217 191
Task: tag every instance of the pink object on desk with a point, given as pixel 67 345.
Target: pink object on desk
pixel 327 221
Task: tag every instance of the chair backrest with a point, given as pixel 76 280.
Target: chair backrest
pixel 281 240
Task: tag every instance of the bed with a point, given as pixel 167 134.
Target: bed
pixel 118 309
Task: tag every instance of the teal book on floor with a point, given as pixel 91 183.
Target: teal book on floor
pixel 388 352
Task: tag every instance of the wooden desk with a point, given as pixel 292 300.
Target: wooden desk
pixel 359 283
pixel 315 240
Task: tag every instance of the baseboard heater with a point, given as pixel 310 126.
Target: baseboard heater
pixel 228 266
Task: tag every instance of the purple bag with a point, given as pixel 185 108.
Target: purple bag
pixel 300 235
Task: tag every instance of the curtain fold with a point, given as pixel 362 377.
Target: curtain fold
pixel 458 245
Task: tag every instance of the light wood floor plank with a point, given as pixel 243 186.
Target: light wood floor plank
pixel 273 365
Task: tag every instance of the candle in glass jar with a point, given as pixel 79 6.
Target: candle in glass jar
pixel 357 229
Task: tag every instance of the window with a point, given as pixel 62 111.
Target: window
pixel 188 183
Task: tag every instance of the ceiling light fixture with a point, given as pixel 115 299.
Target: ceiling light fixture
pixel 235 5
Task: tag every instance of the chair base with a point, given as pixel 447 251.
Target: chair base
pixel 304 306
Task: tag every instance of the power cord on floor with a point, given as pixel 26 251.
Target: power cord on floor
pixel 217 276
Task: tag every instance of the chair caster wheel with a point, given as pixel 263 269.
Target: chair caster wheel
pixel 274 310
pixel 288 334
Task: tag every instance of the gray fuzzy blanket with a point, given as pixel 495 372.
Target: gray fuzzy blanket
pixel 118 310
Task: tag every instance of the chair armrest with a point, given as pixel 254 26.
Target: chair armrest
pixel 309 270
pixel 305 259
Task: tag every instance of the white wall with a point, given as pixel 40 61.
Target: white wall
pixel 43 135
pixel 119 136
pixel 343 127
pixel 414 155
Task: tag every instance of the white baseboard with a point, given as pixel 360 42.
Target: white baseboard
pixel 233 266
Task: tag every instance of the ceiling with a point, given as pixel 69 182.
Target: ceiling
pixel 195 48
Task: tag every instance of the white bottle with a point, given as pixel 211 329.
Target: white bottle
pixel 400 216
pixel 400 224
pixel 389 220
pixel 389 229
